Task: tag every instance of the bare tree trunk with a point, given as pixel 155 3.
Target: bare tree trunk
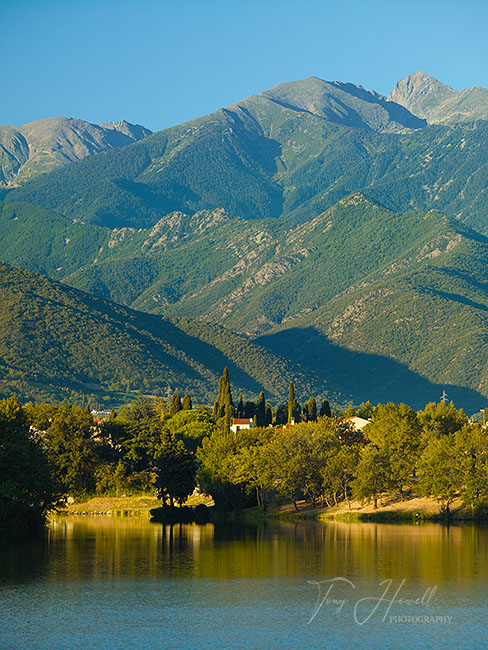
pixel 259 499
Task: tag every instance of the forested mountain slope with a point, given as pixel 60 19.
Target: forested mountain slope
pixel 60 343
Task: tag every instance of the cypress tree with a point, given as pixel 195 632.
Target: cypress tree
pixel 223 409
pixel 249 409
pixel 187 403
pixel 293 405
pixel 325 409
pixel 261 411
pixel 269 415
pixel 281 414
pixel 312 409
pixel 240 407
pixel 175 405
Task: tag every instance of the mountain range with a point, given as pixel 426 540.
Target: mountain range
pixel 288 153
pixel 336 227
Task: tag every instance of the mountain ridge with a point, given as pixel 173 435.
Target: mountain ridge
pixel 59 342
pixel 438 103
pixel 45 144
pixel 261 158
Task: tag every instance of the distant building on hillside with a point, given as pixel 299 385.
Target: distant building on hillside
pixel 288 425
pixel 357 422
pixel 240 423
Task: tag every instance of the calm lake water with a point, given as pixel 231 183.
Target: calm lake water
pixel 98 582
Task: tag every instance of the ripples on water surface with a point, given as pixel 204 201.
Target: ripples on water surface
pixel 103 583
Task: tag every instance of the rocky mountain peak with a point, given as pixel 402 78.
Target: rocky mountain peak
pixel 345 103
pixel 426 97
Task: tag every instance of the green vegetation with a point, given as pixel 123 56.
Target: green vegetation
pixel 374 302
pixel 327 461
pixel 57 343
pixel 223 408
pixel 149 447
pixel 28 488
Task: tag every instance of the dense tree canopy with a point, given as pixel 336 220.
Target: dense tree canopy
pixel 28 487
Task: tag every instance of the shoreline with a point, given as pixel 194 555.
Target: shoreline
pixel 391 509
pixel 131 506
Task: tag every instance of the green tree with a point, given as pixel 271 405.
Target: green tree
pixel 246 466
pixel 260 414
pixel 175 470
pixel 472 452
pixel 325 409
pixel 111 479
pixel 187 403
pixel 293 405
pixel 175 405
pixel 339 473
pixel 440 419
pixel 140 410
pixel 439 471
pixel 281 414
pixel 240 407
pixel 71 447
pixel 296 457
pixel 28 488
pixel 216 474
pixel 312 410
pixel 373 474
pixel 396 430
pixel 140 447
pixel 223 409
pixel 191 427
pixel 268 415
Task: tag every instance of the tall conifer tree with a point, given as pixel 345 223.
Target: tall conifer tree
pixel 223 409
pixel 240 407
pixel 187 403
pixel 325 409
pixel 261 411
pixel 293 405
pixel 175 405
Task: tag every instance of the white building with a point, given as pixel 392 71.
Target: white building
pixel 240 423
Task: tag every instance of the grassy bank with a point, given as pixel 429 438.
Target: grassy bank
pixel 133 506
pixel 391 509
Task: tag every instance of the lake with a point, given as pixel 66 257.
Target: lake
pixel 123 583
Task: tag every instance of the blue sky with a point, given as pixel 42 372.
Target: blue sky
pixel 162 62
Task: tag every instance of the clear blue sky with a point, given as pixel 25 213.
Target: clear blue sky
pixel 161 62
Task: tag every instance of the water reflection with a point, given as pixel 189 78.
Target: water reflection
pixel 105 548
pixel 98 582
